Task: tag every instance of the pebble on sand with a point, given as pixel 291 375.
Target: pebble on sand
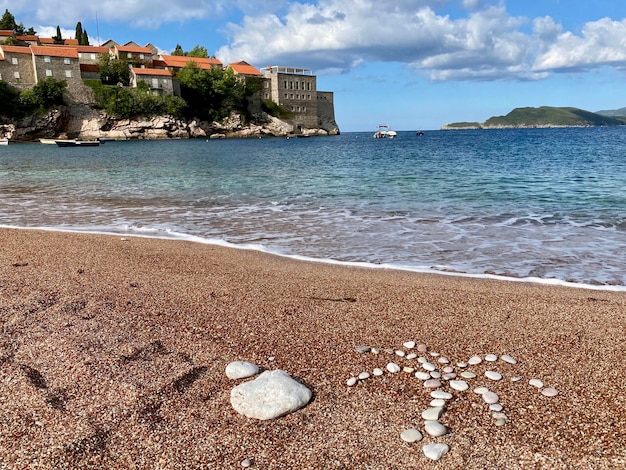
pixel 550 392
pixel 435 451
pixel 393 367
pixel 435 428
pixel 536 383
pixel 493 375
pixel 411 435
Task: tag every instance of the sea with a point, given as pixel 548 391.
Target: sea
pixel 530 205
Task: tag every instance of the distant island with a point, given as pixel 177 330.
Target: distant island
pixel 546 117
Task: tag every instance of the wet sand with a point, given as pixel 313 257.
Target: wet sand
pixel 113 354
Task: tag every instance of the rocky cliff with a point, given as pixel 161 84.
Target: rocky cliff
pixel 82 121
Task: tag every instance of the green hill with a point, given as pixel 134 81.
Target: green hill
pixel 545 116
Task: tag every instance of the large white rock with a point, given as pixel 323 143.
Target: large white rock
pixel 435 451
pixel 241 370
pixel 271 395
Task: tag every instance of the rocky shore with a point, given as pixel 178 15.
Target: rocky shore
pixel 82 121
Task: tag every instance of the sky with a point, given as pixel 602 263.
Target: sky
pixel 410 64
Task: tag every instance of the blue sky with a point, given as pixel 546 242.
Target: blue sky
pixel 412 64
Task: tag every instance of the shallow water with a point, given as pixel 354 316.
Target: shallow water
pixel 541 203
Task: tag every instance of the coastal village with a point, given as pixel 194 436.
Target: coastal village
pixel 27 59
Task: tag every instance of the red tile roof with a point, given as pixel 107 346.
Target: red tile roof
pixel 55 51
pixel 160 72
pixel 244 68
pixel 27 38
pixel 92 49
pixel 179 61
pixel 6 32
pixel 134 49
pixel 16 49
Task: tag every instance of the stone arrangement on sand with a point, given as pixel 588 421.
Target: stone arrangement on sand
pixel 438 373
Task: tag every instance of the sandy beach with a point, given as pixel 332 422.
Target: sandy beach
pixel 113 354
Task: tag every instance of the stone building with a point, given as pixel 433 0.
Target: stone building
pixel 159 80
pixel 16 66
pixel 296 89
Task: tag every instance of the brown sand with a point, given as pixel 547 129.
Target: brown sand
pixel 113 355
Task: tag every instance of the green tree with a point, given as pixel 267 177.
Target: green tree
pixel 9 100
pixel 113 71
pixel 198 51
pixel 58 39
pixel 84 39
pixel 79 32
pixel 178 50
pixel 45 94
pixel 19 29
pixel 31 32
pixel 7 21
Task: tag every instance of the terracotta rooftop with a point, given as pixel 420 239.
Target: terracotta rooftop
pixel 6 32
pixel 27 38
pixel 94 49
pixel 55 51
pixel 135 49
pixel 16 49
pixel 160 72
pixel 181 60
pixel 244 68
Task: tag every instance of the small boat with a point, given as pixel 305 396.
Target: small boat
pixel 384 132
pixel 48 141
pixel 77 143
pixel 4 141
pixel 419 133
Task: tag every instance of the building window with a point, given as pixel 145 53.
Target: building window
pixel 304 109
pixel 266 96
pixel 291 84
pixel 292 96
pixel 14 60
pixel 286 96
pixel 285 84
pixel 129 55
pixel 297 95
pixel 155 83
pixel 141 56
pixel 308 97
pixel 16 75
pixel 298 108
pixel 68 74
pixel 46 59
pixel 93 56
pixel 66 61
pixel 48 73
pixel 266 84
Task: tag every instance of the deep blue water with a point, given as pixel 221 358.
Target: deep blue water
pixel 539 203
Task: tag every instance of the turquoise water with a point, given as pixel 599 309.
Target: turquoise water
pixel 547 204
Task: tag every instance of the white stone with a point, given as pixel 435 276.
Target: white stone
pixel 536 383
pixel 491 358
pixel 378 371
pixel 448 369
pixel 271 395
pixel 509 359
pixel 443 360
pixel 241 370
pixel 411 435
pixel 493 375
pixel 495 407
pixel 480 390
pixel 400 353
pixel 375 350
pixel 409 344
pixel 433 413
pixel 422 360
pixel 422 375
pixel 435 428
pixel 441 394
pixel 459 385
pixel 498 415
pixel 500 422
pixel 461 364
pixel 411 356
pixel 435 375
pixel 364 375
pixel 474 360
pixel 428 366
pixel 422 348
pixel 437 402
pixel 449 376
pixel 435 451
pixel 393 367
pixel 363 349
pixel 351 381
pixel 550 392
pixel 466 374
pixel 516 378
pixel 432 383
pixel 408 369
pixel 434 354
pixel 490 397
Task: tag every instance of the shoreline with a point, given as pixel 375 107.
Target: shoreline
pixel 114 350
pixel 180 237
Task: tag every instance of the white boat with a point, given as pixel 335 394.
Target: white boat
pixel 4 141
pixel 384 132
pixel 48 141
